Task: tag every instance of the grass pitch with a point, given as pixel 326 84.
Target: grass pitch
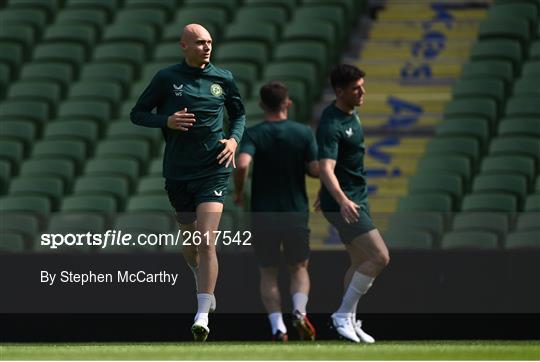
pixel 409 350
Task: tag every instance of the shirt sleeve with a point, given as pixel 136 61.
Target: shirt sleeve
pixel 235 109
pixel 311 149
pixel 141 114
pixel 247 145
pixel 328 140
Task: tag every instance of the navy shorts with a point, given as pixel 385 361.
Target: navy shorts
pixel 185 196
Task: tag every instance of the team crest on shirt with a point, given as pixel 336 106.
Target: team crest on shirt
pixel 216 90
pixel 178 89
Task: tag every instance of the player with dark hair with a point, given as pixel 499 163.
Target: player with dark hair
pixel 283 152
pixel 343 196
pixel 190 99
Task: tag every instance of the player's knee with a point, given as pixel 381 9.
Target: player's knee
pixel 382 259
pixel 298 267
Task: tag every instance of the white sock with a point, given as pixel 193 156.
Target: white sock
pixel 358 286
pixel 213 304
pixel 299 302
pixel 204 301
pixel 276 321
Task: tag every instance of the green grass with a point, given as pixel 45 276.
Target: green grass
pixel 417 350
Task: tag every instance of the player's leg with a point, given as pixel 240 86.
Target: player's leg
pixel 271 299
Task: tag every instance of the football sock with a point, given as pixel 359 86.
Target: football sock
pixel 276 321
pixel 204 300
pixel 299 302
pixel 358 286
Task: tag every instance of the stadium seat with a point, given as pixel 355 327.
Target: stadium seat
pixel 60 168
pixel 137 149
pixel 472 107
pixel 512 126
pixel 34 17
pixel 330 13
pixel 130 33
pixel 446 184
pixel 532 203
pixel 479 128
pixel 71 33
pixel 489 69
pixel 438 202
pixel 535 50
pixel 123 74
pixel 531 69
pixel 498 50
pixel 59 73
pixel 151 16
pixel 244 51
pixel 271 14
pixel 264 33
pixel 501 164
pixel 36 90
pixel 408 239
pixel 153 203
pixel 305 72
pixel 109 7
pixel 61 149
pixel 76 223
pixel 5 175
pixel 305 51
pixel 229 6
pixel 244 71
pixel 111 166
pixel 23 224
pixel 480 88
pixel 528 221
pixel 432 222
pixel 527 87
pixel 102 203
pixel 527 146
pixel 537 183
pixel 12 151
pixel 460 146
pixel 94 17
pixel 35 111
pixel 50 7
pixel 151 185
pixel 117 186
pixel 505 28
pixel 494 222
pixel 156 167
pixel 527 13
pixel 523 239
pixel 86 131
pixel 489 202
pixel 110 92
pixel 523 107
pixel 124 53
pixel 436 164
pixel 322 32
pixel 122 129
pixel 68 53
pixel 143 223
pixel 50 187
pixel 469 240
pixel 166 5
pixel 20 130
pixel 98 111
pixel 5 77
pixel 11 55
pixel 513 184
pixel 31 204
pixel 166 53
pixel 20 34
pixel 12 242
pixel 213 19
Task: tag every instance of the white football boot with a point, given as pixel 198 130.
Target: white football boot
pixel 344 327
pixel 364 337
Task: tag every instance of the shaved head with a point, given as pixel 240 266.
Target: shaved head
pixel 196 43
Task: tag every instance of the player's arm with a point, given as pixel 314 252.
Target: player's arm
pixel 348 208
pixel 240 177
pixel 312 164
pixel 312 169
pixel 141 114
pixel 237 120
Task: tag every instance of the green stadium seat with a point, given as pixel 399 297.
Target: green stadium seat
pixel 352 8
pixel 207 16
pixel 489 202
pixel 127 106
pixel 523 239
pixel 122 129
pixel 152 203
pixel 465 127
pixel 516 11
pixel 24 224
pixel 305 72
pixel 5 175
pixel 246 72
pixel 5 76
pixel 67 53
pixel 80 34
pixel 94 17
pixel 121 166
pixel 229 6
pixel 505 28
pixel 528 221
pixel 244 51
pixel 86 131
pixel 11 242
pixel 537 184
pixel 36 90
pixel 50 187
pixel 527 87
pixel 166 5
pixel 59 73
pixel 76 223
pixel 109 7
pixel 534 50
pixel 20 130
pixel 494 222
pixel 270 14
pixel 527 146
pixel 330 13
pixel 50 7
pixel 11 55
pixel 502 164
pixel 447 184
pixel 523 107
pixel 531 69
pixel 35 111
pixel 498 50
pixel 438 202
pixel 480 88
pixel 287 5
pixel 469 240
pixel 137 223
pixel 59 168
pixel 116 186
pixel 126 53
pixel 472 107
pixel 98 111
pixel 409 240
pixel 39 205
pixel 317 31
pixel 103 203
pixel 301 106
pixel 519 127
pixel 489 69
pixel 431 222
pixel 130 33
pixel 513 184
pixel 22 35
pixel 34 17
pixel 456 146
pixel 532 203
pixel 110 92
pixel 153 17
pixel 151 185
pixel 254 112
pixel 123 74
pixel 61 149
pixel 151 68
pixel 11 151
pixel 156 167
pixel 264 33
pixel 167 53
pixel 136 149
pixel 305 51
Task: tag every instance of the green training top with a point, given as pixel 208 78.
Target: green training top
pixel 280 152
pixel 340 137
pixel 204 92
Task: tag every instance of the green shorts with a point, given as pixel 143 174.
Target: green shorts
pixel 348 232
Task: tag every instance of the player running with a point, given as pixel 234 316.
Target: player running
pixel 283 152
pixel 343 196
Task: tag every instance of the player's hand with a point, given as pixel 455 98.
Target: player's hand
pixel 349 211
pixel 228 153
pixel 181 120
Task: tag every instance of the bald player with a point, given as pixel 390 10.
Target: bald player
pixel 190 99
